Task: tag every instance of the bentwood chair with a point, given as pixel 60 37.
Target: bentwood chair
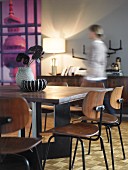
pixel 46 109
pixel 92 108
pixel 110 121
pixel 14 115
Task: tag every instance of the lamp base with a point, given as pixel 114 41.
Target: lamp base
pixel 54 70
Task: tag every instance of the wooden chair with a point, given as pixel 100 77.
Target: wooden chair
pixel 76 107
pixel 46 109
pixel 92 108
pixel 14 115
pixel 110 121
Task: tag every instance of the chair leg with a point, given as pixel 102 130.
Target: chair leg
pixel 111 145
pixel 89 147
pixel 47 150
pixel 70 159
pixel 83 156
pixel 23 158
pixel 103 149
pixel 121 141
pixel 75 153
pixel 38 158
pixel 27 163
pixel 30 131
pixel 45 122
pixel 107 134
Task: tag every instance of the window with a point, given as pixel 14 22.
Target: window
pixel 20 23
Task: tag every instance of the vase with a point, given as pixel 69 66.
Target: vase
pixel 24 73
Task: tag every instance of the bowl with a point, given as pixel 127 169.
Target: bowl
pixel 33 85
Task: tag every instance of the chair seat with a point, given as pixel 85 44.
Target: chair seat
pixel 81 129
pixel 109 119
pixel 14 145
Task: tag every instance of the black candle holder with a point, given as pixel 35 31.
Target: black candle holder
pixel 81 58
pixel 110 53
pixel 115 49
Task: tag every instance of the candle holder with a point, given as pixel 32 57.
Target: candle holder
pixel 81 58
pixel 114 50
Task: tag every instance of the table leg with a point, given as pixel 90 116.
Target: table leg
pixel 61 145
pixel 36 119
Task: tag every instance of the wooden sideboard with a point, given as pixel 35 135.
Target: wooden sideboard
pixel 112 81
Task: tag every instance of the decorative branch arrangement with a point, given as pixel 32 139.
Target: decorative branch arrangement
pixel 37 52
pixel 114 50
pixel 81 58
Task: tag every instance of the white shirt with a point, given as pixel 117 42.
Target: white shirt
pixel 97 61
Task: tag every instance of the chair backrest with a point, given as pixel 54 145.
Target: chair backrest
pixel 86 83
pixel 91 101
pixel 15 108
pixel 57 84
pixel 115 96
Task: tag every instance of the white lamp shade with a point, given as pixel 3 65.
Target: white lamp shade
pixel 54 45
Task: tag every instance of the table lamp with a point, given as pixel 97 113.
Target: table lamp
pixel 54 45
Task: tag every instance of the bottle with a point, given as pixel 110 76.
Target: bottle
pixel 112 66
pixel 118 62
pixel 116 68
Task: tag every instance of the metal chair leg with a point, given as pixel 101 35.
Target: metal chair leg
pixel 75 153
pixel 111 146
pixel 89 147
pixel 121 141
pixel 45 122
pixel 38 158
pixel 107 134
pixel 83 156
pixel 30 131
pixel 103 149
pixel 24 159
pixel 27 164
pixel 47 150
pixel 70 159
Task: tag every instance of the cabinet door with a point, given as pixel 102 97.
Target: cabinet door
pixel 117 82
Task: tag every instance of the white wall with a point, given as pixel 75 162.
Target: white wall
pixel 70 19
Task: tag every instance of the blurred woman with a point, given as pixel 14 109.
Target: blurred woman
pixel 97 56
pixel 97 61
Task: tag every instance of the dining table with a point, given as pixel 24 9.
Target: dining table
pixel 58 96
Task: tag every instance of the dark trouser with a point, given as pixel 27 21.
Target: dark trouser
pixel 108 108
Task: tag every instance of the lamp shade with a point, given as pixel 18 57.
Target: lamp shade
pixel 54 45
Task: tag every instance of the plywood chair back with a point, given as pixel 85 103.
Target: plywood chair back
pixel 57 84
pixel 90 102
pixel 115 96
pixel 86 83
pixel 15 108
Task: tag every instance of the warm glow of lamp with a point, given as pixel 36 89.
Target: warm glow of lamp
pixel 54 45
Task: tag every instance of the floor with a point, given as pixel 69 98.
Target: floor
pixel 95 160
